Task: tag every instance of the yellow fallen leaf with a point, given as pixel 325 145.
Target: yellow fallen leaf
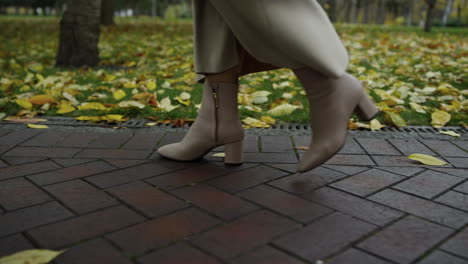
pixel 109 77
pixel 39 77
pixel 114 118
pixel 130 63
pixel 417 107
pixel 37 126
pixel 31 256
pixel 219 155
pixel 376 125
pixel 283 109
pixel 24 103
pixel 119 94
pixel 24 120
pixel 65 109
pixel 92 106
pixel 384 95
pixel 25 88
pixel 302 147
pixel 89 118
pixel 426 159
pixel 165 104
pixel 362 125
pixel 184 96
pixel 142 96
pixel 130 84
pixel 130 104
pixel 268 119
pixel 41 99
pixel 439 118
pixel 454 105
pixel 450 133
pixel 259 97
pixel 184 102
pixel 382 106
pixel 151 85
pixel 395 118
pixel 151 124
pixel 254 122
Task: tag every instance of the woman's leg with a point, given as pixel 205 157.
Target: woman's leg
pixel 331 103
pixel 231 75
pixel 299 35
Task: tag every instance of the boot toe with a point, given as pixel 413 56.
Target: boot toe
pixel 168 151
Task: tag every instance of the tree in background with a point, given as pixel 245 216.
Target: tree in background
pixel 448 10
pixel 79 33
pixel 107 12
pixel 429 14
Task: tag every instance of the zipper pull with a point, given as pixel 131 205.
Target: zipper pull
pixel 215 97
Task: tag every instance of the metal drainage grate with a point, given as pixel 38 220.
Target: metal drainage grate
pixel 140 123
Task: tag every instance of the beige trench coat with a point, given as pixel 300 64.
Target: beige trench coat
pixel 264 35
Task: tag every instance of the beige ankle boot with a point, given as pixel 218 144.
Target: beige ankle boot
pixel 331 103
pixel 217 124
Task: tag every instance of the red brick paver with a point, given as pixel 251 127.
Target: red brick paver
pixel 109 197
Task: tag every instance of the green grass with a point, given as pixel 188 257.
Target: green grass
pixel 163 51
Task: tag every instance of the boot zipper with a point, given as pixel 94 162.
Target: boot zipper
pixel 216 103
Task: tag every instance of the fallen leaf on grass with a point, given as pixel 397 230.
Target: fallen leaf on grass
pixel 165 104
pixel 41 99
pixel 65 108
pixel 376 125
pixel 31 256
pixel 426 159
pixel 131 104
pixel 439 118
pixel 24 103
pixel 119 94
pixel 395 119
pixel 92 106
pixel 252 122
pixel 283 109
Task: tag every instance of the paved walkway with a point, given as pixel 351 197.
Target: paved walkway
pixel 109 198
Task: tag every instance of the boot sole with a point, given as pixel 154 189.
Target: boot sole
pixel 202 156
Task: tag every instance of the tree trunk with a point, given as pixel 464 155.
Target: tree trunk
pixel 429 15
pixel 409 13
pixel 365 16
pixel 448 10
pixel 459 11
pixel 381 12
pixel 107 12
pixel 58 8
pixel 332 10
pixel 154 8
pixel 79 34
pixel 353 11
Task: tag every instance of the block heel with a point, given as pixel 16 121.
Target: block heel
pixel 233 153
pixel 366 109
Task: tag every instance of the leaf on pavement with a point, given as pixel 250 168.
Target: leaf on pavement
pixel 31 256
pixel 426 159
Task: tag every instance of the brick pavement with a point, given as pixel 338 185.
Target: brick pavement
pixel 110 198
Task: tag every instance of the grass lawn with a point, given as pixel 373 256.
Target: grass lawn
pixel 146 71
